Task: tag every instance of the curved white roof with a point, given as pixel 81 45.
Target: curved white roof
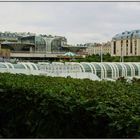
pixel 91 70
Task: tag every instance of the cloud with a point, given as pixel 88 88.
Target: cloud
pixel 79 22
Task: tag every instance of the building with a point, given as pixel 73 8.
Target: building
pixel 77 49
pixel 106 47
pixel 126 44
pixel 55 44
pixel 33 43
pixel 98 48
pixel 29 43
pixel 90 50
pixel 4 53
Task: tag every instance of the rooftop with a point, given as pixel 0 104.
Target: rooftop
pixel 127 35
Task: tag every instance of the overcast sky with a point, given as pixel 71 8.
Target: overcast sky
pixel 78 22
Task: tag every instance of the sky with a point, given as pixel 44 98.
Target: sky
pixel 79 22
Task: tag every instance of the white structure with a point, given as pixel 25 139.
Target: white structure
pixel 102 70
pixel 24 68
pixel 93 70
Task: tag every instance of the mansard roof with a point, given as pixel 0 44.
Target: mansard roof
pixel 127 35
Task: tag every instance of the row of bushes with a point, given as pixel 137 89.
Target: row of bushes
pixel 109 58
pixel 47 107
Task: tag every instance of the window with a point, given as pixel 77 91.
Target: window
pixel 18 66
pixel 9 66
pixel 135 50
pixel 27 66
pixel 114 48
pixel 120 69
pixel 86 67
pixel 98 70
pixel 135 42
pixel 128 69
pixel 2 66
pixel 126 47
pixel 126 42
pixel 121 42
pixel 109 70
pixel 33 67
pixel 136 69
pixel 131 47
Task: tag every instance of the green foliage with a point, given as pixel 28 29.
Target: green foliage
pixel 108 58
pixel 47 107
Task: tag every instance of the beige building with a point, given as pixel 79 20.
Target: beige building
pixel 98 48
pixel 126 44
pixel 90 48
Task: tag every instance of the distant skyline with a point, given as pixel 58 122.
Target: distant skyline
pixel 78 22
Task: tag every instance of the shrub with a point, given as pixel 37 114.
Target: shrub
pixel 47 107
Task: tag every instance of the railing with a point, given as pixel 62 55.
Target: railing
pixel 37 52
pixel 33 54
pixel 43 54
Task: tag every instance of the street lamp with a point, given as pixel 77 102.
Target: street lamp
pixel 122 56
pixel 101 53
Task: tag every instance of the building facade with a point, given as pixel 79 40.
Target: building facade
pixel 55 44
pixel 32 43
pixel 126 44
pixel 98 48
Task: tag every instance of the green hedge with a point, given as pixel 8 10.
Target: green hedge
pixel 47 107
pixel 108 58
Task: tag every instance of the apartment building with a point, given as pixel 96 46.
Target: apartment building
pixel 126 44
pixel 98 48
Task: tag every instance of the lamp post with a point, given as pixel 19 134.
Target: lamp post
pixel 101 53
pixel 122 56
